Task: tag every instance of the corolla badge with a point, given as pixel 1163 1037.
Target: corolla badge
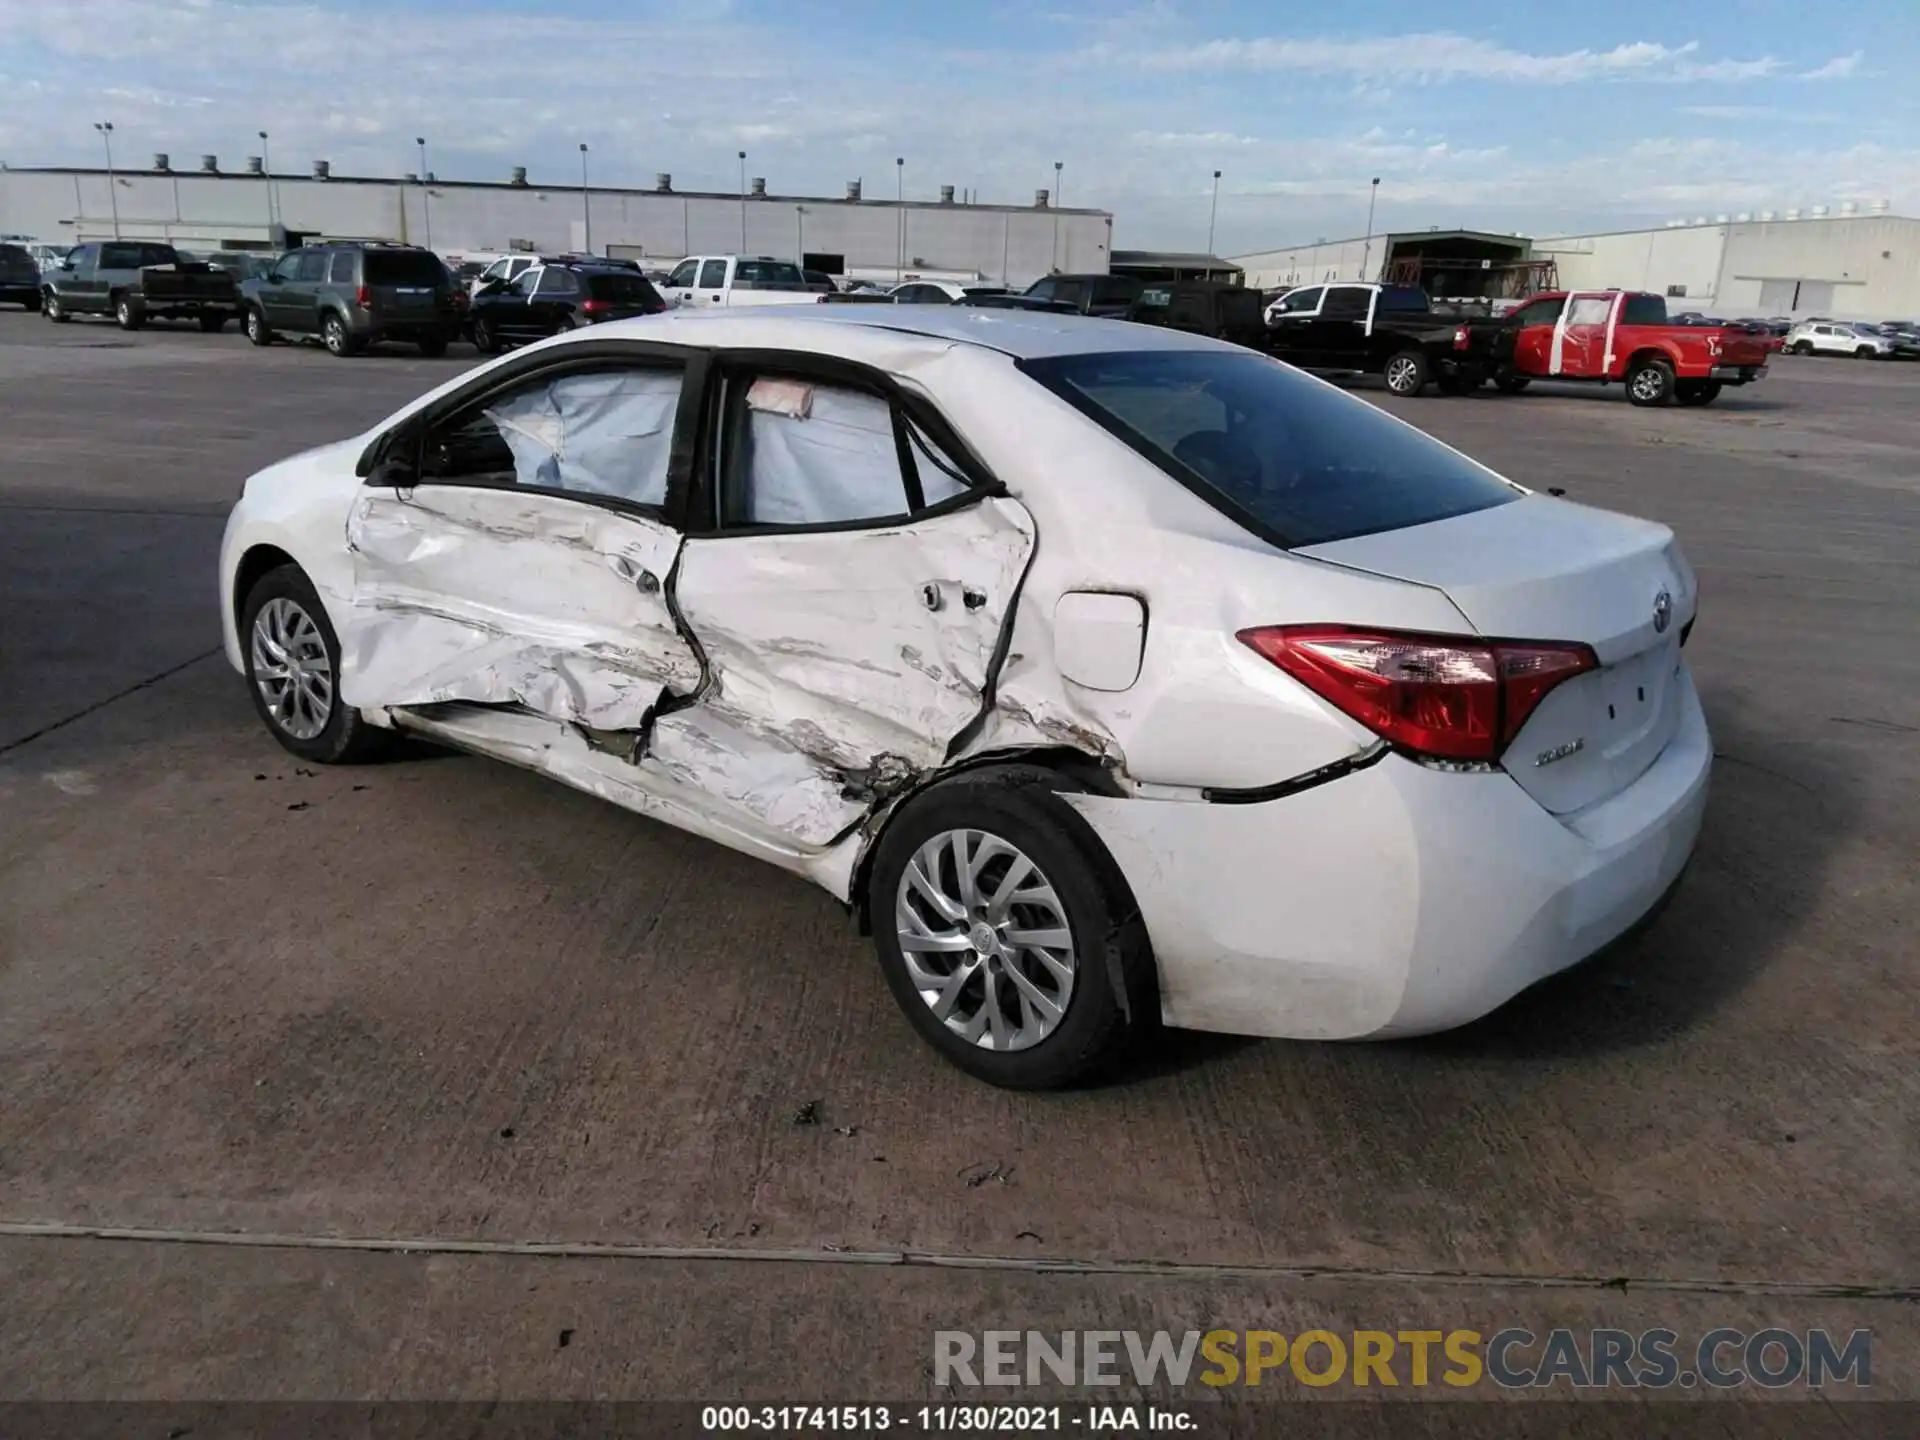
pixel 1662 612
pixel 1560 752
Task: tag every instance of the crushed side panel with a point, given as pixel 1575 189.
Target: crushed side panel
pixel 502 598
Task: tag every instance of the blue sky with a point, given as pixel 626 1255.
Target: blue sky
pixel 1499 115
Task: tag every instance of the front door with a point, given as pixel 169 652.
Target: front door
pixel 848 584
pixel 710 286
pixel 510 312
pixel 527 566
pixel 1580 340
pixel 276 295
pixel 80 287
pixel 555 297
pixel 1291 335
pixel 1342 330
pixel 1525 342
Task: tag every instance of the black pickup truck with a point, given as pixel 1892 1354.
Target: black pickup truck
pixel 1385 330
pixel 136 281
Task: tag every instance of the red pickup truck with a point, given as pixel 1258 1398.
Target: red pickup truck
pixel 1607 335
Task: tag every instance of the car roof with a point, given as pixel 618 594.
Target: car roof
pixel 851 329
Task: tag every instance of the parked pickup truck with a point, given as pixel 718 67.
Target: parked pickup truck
pixel 703 280
pixel 136 281
pixel 1385 330
pixel 1603 336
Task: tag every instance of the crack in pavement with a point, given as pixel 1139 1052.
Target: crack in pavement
pixel 937 1260
pixel 118 695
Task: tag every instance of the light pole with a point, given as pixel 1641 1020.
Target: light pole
pixel 586 202
pixel 743 202
pixel 1366 254
pixel 1212 212
pixel 426 195
pixel 105 127
pixel 900 200
pixel 266 169
pixel 1058 183
pixel 800 235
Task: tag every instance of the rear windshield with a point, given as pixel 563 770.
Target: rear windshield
pixel 768 275
pixel 404 267
pixel 14 255
pixel 1291 458
pixel 624 287
pixel 136 257
pixel 1644 310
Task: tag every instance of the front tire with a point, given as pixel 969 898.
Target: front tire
pixel 1800 347
pixel 1865 352
pixel 51 307
pixel 293 664
pixel 1006 933
pixel 1650 383
pixel 126 314
pixel 1407 373
pixel 485 340
pixel 257 330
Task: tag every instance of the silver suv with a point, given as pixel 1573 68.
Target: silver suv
pixel 1838 337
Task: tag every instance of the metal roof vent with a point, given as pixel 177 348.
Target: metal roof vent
pixel 1699 219
pixel 1879 207
pixel 853 189
pixel 210 164
pixel 1742 218
pixel 160 162
pixel 946 194
pixel 322 170
pixel 1793 213
pixel 1849 207
pixel 663 183
pixel 518 176
pixel 1719 219
pixel 255 165
pixel 759 187
pixel 1820 212
pixel 1039 199
pixel 1768 216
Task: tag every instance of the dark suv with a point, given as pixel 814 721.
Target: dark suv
pixel 19 277
pixel 355 295
pixel 1108 295
pixel 558 295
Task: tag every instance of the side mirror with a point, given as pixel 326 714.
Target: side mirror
pixel 66 265
pixel 274 277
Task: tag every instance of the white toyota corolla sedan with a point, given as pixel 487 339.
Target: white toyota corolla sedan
pixel 1107 673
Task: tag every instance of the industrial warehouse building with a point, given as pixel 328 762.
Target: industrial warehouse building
pixel 208 209
pixel 1850 266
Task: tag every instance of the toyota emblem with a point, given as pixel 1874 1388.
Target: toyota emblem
pixel 1662 612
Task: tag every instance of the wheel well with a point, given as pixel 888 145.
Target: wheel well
pixel 255 563
pixel 1059 767
pixel 1641 357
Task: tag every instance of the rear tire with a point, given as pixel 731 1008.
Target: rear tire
pixel 1508 383
pixel 1650 383
pixel 30 304
pixel 1100 982
pixel 1407 373
pixel 213 322
pixel 335 336
pixel 256 325
pixel 434 348
pixel 1697 392
pixel 484 338
pixel 126 314
pixel 344 736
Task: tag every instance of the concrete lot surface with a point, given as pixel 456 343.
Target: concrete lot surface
pixel 443 1001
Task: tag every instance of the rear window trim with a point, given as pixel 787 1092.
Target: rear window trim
pixel 1190 479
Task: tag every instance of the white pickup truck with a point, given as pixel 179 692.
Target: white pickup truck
pixel 703 280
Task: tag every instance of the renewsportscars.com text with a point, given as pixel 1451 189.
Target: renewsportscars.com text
pixel 1512 1358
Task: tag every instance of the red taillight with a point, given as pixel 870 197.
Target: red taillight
pixel 363 297
pixel 461 300
pixel 1462 337
pixel 595 307
pixel 1453 698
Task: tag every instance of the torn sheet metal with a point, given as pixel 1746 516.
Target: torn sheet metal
pixel 770 783
pixel 511 599
pixel 848 646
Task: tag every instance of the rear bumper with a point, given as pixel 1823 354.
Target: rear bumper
pixel 1738 374
pixel 1397 899
pixel 15 291
pixel 377 328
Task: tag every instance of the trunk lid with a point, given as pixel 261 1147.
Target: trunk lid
pixel 406 284
pixel 1545 569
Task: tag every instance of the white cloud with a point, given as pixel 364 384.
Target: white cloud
pixel 1841 67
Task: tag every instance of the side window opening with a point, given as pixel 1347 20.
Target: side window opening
pixel 342 271
pixel 713 275
pixel 941 477
pixel 313 265
pixel 590 433
pixel 801 453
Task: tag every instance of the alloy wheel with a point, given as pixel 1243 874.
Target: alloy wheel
pixel 986 940
pixel 1646 384
pixel 1400 375
pixel 291 668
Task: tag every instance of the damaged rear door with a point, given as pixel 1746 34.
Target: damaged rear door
pixel 514 551
pixel 848 581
